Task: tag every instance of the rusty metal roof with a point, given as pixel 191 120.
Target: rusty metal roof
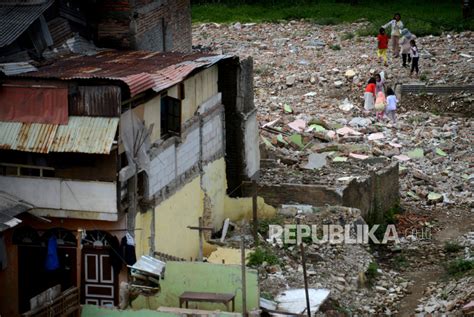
pixel 139 70
pixel 28 137
pixel 16 19
pixel 86 135
pixel 93 135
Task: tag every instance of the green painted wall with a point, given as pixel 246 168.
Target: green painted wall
pixel 96 311
pixel 202 277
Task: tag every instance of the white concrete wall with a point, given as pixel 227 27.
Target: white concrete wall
pixel 174 160
pixel 212 136
pixel 252 150
pixel 55 193
pixel 188 151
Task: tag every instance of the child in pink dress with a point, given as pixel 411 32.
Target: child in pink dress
pixel 380 104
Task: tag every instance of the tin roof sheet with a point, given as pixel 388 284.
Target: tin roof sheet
pixel 15 19
pixel 139 70
pixel 86 135
pixel 93 135
pixel 11 206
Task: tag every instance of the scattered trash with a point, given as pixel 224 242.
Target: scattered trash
pixel 297 140
pixel 340 159
pixel 347 131
pixel 287 108
pixel 294 301
pixel 316 161
pixel 376 136
pixel 402 158
pixel 346 105
pixel 298 125
pixel 416 153
pixel 441 152
pixel 358 156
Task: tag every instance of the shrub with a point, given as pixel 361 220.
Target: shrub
pixel 261 255
pixel 460 266
pixel 452 247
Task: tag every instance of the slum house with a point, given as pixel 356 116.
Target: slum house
pixel 98 147
pixel 36 29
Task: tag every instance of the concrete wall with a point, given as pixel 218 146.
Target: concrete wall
pixel 251 145
pixel 374 194
pixel 96 311
pixel 174 159
pixel 97 199
pixel 202 277
pixel 172 218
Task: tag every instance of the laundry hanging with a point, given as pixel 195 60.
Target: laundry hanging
pixel 52 260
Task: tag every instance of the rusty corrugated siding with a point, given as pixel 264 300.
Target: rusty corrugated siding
pixel 93 135
pixel 96 101
pixel 28 137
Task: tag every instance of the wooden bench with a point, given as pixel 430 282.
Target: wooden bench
pixel 221 298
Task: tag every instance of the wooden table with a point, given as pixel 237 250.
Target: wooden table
pixel 221 298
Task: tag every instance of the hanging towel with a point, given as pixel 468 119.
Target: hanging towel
pixel 52 261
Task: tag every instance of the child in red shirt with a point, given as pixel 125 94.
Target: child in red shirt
pixel 382 47
pixel 369 95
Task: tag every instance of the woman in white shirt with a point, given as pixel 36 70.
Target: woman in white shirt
pixel 396 26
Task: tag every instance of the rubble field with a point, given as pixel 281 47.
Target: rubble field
pixel 309 82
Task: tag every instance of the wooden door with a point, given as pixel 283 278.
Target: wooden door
pixel 99 283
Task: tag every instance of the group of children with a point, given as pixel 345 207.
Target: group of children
pixel 375 99
pixel 408 44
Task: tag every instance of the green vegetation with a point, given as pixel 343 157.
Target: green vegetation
pixel 266 295
pixel 452 247
pixel 335 47
pixel 372 272
pixel 460 267
pixel 422 17
pixel 400 261
pixel 261 255
pixel 264 223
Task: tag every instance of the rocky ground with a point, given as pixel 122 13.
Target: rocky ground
pixel 309 82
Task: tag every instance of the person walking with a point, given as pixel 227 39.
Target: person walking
pixel 407 36
pixel 369 95
pixel 382 46
pixel 415 57
pixel 392 102
pixel 396 25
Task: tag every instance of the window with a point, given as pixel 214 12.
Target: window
pixel 170 116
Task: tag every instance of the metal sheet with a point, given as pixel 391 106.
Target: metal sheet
pixel 28 137
pixel 34 103
pixel 139 70
pixel 11 206
pixel 15 19
pixel 96 101
pixel 93 135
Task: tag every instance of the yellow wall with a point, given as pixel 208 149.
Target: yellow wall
pixel 198 89
pixel 214 185
pixel 172 218
pixel 183 209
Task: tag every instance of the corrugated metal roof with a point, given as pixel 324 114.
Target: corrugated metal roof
pixel 139 70
pixel 15 19
pixel 93 135
pixel 28 137
pixel 11 206
pixel 16 68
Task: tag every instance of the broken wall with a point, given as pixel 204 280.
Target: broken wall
pixel 203 277
pixel 373 194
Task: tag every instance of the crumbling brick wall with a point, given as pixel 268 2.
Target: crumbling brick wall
pixel 155 25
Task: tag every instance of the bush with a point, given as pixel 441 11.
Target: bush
pixel 452 247
pixel 372 271
pixel 261 255
pixel 347 36
pixel 335 47
pixel 460 266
